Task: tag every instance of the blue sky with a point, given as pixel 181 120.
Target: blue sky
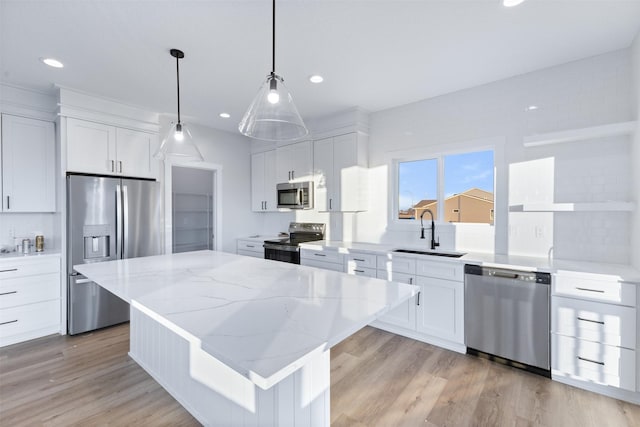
pixel 418 179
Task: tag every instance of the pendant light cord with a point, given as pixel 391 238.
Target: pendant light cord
pixel 273 39
pixel 178 83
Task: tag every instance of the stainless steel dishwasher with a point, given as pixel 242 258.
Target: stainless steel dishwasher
pixel 506 316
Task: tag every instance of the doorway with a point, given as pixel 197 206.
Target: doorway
pixel 193 208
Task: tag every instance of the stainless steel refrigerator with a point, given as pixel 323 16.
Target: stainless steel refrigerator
pixel 108 218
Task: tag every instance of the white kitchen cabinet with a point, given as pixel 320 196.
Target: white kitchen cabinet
pixel 250 248
pixel 107 150
pixel 340 171
pixel 263 182
pixel 29 298
pixel 403 316
pixel 28 165
pixel 294 162
pixel 322 258
pixel 440 309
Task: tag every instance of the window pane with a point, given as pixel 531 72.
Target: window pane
pixel 417 188
pixel 468 187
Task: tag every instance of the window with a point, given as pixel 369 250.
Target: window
pixel 466 190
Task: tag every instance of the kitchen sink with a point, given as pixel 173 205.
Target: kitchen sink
pixel 430 253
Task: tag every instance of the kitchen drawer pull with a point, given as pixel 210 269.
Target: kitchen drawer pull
pixel 359 271
pixel 6 271
pixel 250 246
pixel 590 290
pixel 589 320
pixel 591 361
pixel 10 321
pixel 418 299
pixel 358 259
pixel 9 293
pixel 319 254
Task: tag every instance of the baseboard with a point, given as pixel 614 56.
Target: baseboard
pixel 616 393
pixel 458 348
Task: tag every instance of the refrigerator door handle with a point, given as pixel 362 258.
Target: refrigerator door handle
pixel 118 222
pixel 125 221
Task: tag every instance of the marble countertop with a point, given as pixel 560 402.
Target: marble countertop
pixel 264 319
pixel 619 272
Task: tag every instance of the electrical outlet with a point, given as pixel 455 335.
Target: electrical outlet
pixel 539 231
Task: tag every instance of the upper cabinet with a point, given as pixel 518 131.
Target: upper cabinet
pixel 109 150
pixel 340 168
pixel 294 162
pixel 28 161
pixel 263 182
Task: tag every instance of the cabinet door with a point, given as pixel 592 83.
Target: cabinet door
pixel 294 162
pixel 346 173
pixel 440 309
pixel 257 182
pixel 91 147
pixel 405 314
pixel 28 160
pixel 134 153
pixel 323 173
pixel 270 195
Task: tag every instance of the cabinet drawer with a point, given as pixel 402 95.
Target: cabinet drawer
pixel 30 289
pixel 321 264
pixel 359 260
pixel 248 245
pixel 594 321
pixel 361 271
pixel 323 255
pixel 397 277
pixel 595 362
pixel 598 290
pixel 28 266
pixel 440 270
pixel 27 318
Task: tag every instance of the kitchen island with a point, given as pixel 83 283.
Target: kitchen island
pixel 239 340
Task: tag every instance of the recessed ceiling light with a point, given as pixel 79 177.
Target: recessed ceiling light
pixel 225 115
pixel 532 107
pixel 316 78
pixel 52 62
pixel 511 3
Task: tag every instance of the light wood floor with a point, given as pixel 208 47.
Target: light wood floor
pixel 377 378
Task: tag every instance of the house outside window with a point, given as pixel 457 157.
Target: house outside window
pixel 463 182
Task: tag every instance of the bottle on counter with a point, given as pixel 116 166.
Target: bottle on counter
pixel 39 243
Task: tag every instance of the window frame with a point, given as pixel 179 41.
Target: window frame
pixel 439 155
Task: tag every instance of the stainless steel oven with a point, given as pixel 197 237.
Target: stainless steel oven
pixel 295 195
pixel 288 249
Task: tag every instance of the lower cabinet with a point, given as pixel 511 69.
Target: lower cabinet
pixel 403 316
pixel 29 298
pixel 440 309
pixel 250 248
pixel 322 258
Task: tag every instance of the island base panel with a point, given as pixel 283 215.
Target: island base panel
pixel 215 394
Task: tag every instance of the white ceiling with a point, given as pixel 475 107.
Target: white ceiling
pixel 373 54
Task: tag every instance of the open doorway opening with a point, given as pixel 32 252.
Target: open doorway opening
pixel 193 209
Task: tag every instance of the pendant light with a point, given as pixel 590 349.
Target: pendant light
pixel 178 143
pixel 272 116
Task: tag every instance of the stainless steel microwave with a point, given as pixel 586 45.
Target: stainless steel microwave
pixel 296 195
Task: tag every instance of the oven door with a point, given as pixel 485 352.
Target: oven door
pixel 282 253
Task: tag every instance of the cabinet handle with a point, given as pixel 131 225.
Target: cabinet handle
pixel 9 293
pixel 411 280
pixel 6 271
pixel 330 204
pixel 600 291
pixel 265 205
pixel 418 299
pixel 112 166
pixel 289 172
pixel 8 202
pixel 250 246
pixel 589 320
pixel 591 361
pixel 319 254
pixel 293 174
pixel 359 271
pixel 10 321
pixel 120 166
pixel 358 259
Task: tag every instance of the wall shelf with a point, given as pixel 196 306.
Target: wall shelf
pixel 614 129
pixel 574 207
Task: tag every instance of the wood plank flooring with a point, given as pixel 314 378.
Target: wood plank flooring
pixel 377 379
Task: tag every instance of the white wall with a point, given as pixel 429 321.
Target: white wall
pixel 584 93
pixel 232 153
pixel 635 155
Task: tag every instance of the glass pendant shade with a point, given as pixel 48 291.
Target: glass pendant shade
pixel 272 116
pixel 179 145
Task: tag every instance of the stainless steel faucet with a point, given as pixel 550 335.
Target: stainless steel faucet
pixel 433 229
